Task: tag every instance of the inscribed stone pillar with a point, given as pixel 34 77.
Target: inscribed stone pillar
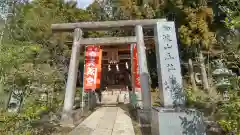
pixel 72 73
pixel 168 64
pixel 170 119
pixel 143 69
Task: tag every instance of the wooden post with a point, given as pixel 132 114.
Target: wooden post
pixel 72 75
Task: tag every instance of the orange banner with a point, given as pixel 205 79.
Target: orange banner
pixel 136 68
pixel 93 65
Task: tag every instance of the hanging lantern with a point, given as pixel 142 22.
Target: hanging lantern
pixel 117 67
pixel 126 64
pixel 109 67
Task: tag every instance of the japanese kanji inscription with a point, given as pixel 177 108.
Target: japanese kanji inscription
pixel 169 71
pixel 92 67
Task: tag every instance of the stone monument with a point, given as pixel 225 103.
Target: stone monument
pixel 172 118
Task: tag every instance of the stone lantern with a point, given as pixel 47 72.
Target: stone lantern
pixel 221 75
pixel 15 101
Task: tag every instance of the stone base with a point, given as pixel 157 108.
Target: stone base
pixel 144 119
pixel 139 101
pixel 70 119
pixel 177 122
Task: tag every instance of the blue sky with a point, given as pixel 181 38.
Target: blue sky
pixel 84 3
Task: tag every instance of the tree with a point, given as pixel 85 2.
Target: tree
pixel 196 33
pixel 34 58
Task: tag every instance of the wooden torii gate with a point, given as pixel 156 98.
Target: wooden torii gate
pixel 78 41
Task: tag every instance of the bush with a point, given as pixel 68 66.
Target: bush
pixel 22 70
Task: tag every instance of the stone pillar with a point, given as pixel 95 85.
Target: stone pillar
pixel 172 118
pixel 72 77
pixel 143 69
pixel 168 65
pixel 145 113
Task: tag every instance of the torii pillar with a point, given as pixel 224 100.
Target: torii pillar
pixel 145 112
pixel 67 113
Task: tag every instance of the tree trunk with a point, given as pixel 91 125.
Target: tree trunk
pixel 191 74
pixel 203 71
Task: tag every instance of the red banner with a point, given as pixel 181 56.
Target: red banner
pixel 92 71
pixel 136 68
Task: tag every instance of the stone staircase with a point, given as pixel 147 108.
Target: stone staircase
pixel 115 96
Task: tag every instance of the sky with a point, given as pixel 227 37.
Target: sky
pixel 84 3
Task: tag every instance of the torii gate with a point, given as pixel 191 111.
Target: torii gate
pixel 78 41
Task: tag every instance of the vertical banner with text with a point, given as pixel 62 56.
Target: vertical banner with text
pixel 136 78
pixel 136 68
pixel 92 71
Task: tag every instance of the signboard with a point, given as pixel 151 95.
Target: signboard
pixel 169 70
pixel 92 69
